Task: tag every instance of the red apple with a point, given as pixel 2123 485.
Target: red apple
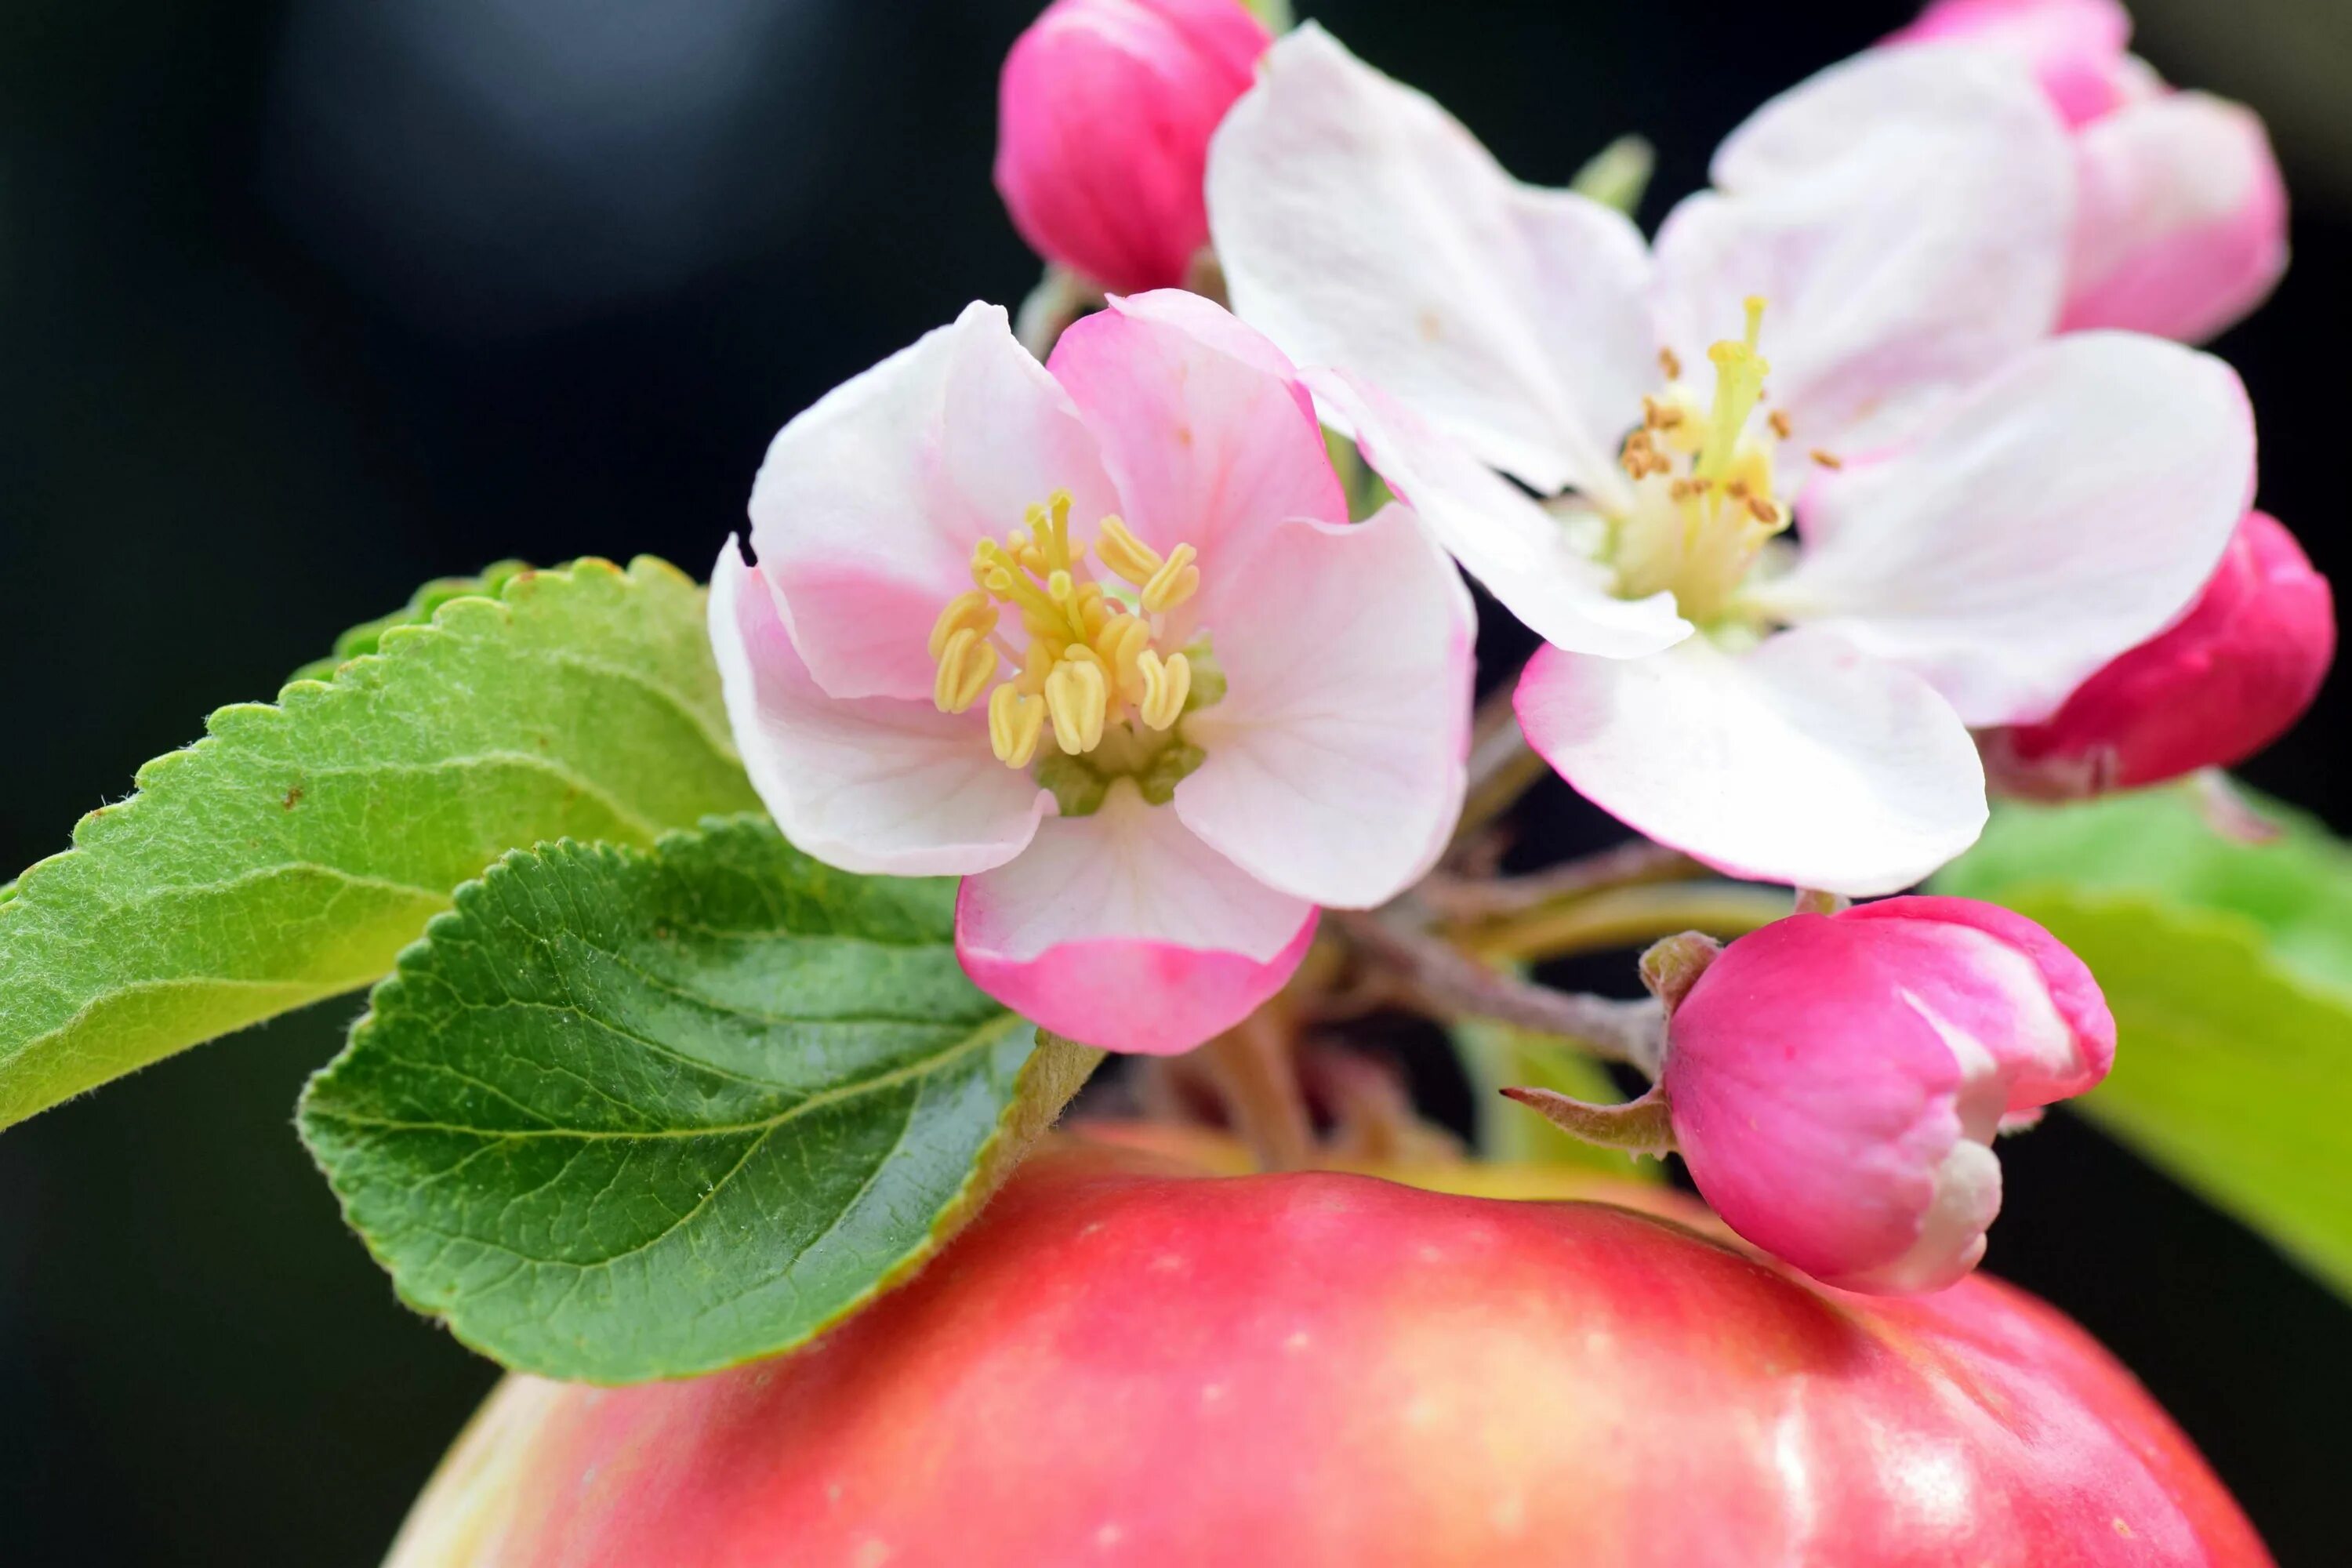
pixel 1124 1361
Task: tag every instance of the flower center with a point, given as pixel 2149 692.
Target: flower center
pixel 1095 669
pixel 1705 496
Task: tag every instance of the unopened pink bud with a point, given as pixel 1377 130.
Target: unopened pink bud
pixel 1836 1080
pixel 1105 111
pixel 2227 679
pixel 2181 212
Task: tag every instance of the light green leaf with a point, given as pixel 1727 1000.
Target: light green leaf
pixel 1496 1057
pixel 2229 966
pixel 622 1116
pixel 422 606
pixel 293 852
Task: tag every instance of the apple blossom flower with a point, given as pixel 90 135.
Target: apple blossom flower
pixel 2219 685
pixel 2181 218
pixel 1104 111
pixel 1099 638
pixel 1988 513
pixel 1834 1082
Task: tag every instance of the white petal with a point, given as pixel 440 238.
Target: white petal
pixel 2066 511
pixel 1906 217
pixel 1334 762
pixel 1520 551
pixel 865 511
pixel 872 783
pixel 1128 872
pixel 1801 761
pixel 1361 227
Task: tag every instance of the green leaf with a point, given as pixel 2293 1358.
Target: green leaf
pixel 2229 966
pixel 292 853
pixel 1497 1056
pixel 422 606
pixel 624 1115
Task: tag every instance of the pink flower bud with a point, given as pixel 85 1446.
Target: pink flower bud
pixel 2180 215
pixel 1105 111
pixel 1836 1080
pixel 2227 679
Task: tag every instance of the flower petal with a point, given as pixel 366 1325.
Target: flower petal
pixel 1520 551
pixel 1905 215
pixel 1202 426
pixel 1361 227
pixel 2181 229
pixel 2063 511
pixel 872 784
pixel 2075 48
pixel 1801 761
pixel 1123 930
pixel 865 511
pixel 1334 762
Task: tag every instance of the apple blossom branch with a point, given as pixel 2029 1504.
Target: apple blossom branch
pixel 1450 985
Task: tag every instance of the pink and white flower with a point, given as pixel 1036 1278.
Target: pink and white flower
pixel 1987 515
pixel 2208 691
pixel 2180 212
pixel 1099 638
pixel 1834 1082
pixel 1104 113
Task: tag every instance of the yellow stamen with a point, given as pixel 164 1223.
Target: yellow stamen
pixel 1166 683
pixel 966 665
pixel 1739 373
pixel 969 611
pixel 1015 721
pixel 1176 581
pixel 1077 698
pixel 1120 642
pixel 1122 553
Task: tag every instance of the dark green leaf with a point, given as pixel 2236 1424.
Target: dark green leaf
pixel 2229 966
pixel 624 1115
pixel 292 853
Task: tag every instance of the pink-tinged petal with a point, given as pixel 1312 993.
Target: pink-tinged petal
pixel 1203 427
pixel 2074 47
pixel 1123 930
pixel 1800 761
pixel 1524 554
pixel 1835 1083
pixel 2063 511
pixel 1906 217
pixel 2181 225
pixel 2014 989
pixel 2211 690
pixel 1105 111
pixel 1361 227
pixel 864 514
pixel 1334 766
pixel 872 784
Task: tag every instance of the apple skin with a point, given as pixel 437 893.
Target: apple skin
pixel 1126 1361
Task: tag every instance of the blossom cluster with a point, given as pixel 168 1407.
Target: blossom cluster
pixel 1885 468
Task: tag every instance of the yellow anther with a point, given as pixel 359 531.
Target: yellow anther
pixel 965 612
pixel 1120 640
pixel 966 664
pixel 1176 581
pixel 1166 683
pixel 1077 698
pixel 1016 720
pixel 1061 587
pixel 1118 549
pixel 1036 664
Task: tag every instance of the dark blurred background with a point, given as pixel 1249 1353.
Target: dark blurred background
pixel 302 304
